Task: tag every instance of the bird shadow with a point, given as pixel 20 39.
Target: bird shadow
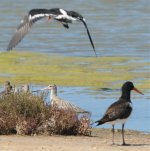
pixel 133 145
pixel 142 144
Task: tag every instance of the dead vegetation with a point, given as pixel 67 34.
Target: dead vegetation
pixel 27 114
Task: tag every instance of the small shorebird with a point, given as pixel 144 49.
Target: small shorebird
pixel 25 88
pixel 63 16
pixel 7 88
pixel 60 103
pixel 119 111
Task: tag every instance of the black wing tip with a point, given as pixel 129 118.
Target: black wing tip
pixel 9 49
pixel 99 122
pixel 89 37
pixel 94 50
pixel 95 53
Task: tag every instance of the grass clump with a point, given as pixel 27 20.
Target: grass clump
pixel 27 114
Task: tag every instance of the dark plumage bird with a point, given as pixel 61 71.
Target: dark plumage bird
pixel 63 16
pixel 119 111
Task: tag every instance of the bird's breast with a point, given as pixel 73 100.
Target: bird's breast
pixel 117 121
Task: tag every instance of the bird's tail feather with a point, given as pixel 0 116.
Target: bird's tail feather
pixel 99 122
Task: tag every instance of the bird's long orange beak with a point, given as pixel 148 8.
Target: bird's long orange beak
pixel 135 89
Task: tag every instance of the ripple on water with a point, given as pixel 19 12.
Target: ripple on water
pixel 116 28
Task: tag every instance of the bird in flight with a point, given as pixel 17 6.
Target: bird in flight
pixel 63 16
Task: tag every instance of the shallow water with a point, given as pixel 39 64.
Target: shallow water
pixel 117 27
pixel 97 101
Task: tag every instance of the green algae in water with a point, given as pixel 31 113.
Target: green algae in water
pixel 37 68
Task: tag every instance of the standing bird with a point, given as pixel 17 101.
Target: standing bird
pixel 7 89
pixel 59 103
pixel 25 88
pixel 61 15
pixel 119 111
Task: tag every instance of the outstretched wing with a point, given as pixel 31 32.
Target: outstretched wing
pixel 90 38
pixel 26 24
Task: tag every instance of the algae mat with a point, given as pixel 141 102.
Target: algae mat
pixel 38 68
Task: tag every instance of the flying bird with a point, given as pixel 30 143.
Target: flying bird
pixel 119 111
pixel 63 16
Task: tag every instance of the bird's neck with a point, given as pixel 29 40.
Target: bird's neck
pixel 53 93
pixel 126 95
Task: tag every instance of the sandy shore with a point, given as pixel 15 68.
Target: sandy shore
pixel 100 141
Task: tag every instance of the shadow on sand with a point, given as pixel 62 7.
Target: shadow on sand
pixel 132 145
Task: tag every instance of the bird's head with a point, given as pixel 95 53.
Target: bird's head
pixel 7 83
pixel 128 86
pixel 76 15
pixel 50 87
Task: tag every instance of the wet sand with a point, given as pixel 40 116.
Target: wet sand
pixel 101 140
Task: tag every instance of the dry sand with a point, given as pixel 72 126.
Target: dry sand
pixel 100 141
